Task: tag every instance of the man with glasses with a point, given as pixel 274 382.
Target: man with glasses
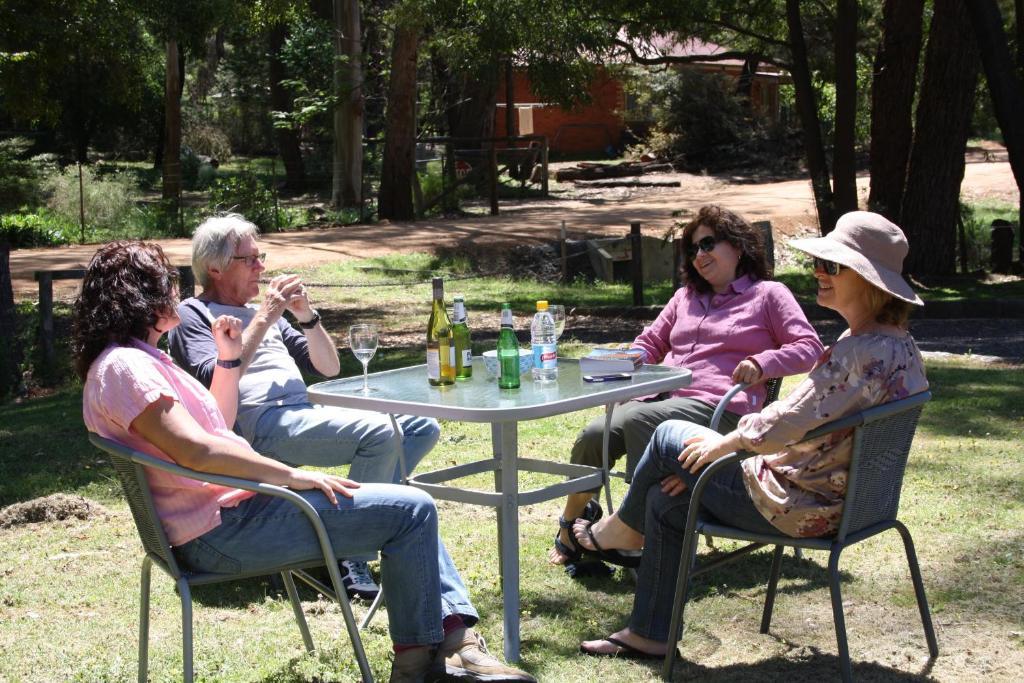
pixel 274 412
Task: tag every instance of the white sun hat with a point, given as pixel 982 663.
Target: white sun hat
pixel 869 244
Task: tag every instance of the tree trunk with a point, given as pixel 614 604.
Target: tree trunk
pixel 844 161
pixel 398 163
pixel 281 100
pixel 346 187
pixel 470 99
pixel 807 109
pixel 936 170
pixel 1003 85
pixel 9 350
pixel 892 104
pixel 172 124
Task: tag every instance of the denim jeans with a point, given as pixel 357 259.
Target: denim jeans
pixel 662 518
pixel 420 580
pixel 632 425
pixel 327 436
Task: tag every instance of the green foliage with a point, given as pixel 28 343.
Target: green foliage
pixel 109 199
pixel 308 56
pixel 45 229
pixel 701 123
pixel 19 182
pixel 246 194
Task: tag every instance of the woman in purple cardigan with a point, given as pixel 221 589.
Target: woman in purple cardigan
pixel 729 323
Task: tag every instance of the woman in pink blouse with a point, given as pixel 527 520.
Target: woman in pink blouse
pixel 796 488
pixel 729 324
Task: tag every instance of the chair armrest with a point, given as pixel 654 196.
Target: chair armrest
pixel 716 417
pixel 146 460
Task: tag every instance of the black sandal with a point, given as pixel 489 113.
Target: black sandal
pixel 610 556
pixel 592 512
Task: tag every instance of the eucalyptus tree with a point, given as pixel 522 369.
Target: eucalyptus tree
pixel 182 27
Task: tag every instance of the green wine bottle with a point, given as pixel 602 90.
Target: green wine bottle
pixel 463 343
pixel 508 351
pixel 440 349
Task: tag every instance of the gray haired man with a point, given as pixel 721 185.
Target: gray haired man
pixel 274 411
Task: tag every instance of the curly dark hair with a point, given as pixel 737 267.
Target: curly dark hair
pixel 126 288
pixel 731 228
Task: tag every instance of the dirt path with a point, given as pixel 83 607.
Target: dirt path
pixel 586 212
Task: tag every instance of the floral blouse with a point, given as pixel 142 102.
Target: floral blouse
pixel 800 487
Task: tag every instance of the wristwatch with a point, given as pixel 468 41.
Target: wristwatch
pixel 312 322
pixel 229 364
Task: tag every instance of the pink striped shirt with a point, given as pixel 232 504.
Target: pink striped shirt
pixel 711 333
pixel 125 380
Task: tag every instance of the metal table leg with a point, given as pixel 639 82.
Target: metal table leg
pixel 508 539
pixel 609 409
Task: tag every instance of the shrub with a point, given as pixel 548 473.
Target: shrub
pixel 19 182
pixel 245 194
pixel 26 230
pixel 109 200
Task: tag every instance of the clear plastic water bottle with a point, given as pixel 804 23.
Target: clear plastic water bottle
pixel 544 340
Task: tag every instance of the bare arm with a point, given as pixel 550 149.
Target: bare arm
pixel 227 334
pixel 169 427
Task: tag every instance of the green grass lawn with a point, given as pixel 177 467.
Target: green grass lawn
pixel 69 589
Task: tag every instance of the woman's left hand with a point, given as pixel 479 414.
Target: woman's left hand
pixel 747 372
pixel 700 451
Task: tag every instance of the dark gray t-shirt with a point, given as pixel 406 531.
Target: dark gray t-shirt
pixel 274 376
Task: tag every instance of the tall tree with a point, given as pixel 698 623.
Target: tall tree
pixel 892 104
pixel 398 164
pixel 844 162
pixel 936 169
pixel 1003 84
pixel 281 101
pixel 9 350
pixel 346 188
pixel 173 84
pixel 807 110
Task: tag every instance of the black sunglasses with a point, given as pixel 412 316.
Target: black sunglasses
pixel 704 244
pixel 830 267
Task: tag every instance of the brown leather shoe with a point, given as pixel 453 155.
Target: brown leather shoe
pixel 415 665
pixel 466 658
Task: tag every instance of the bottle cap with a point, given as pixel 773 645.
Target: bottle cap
pixel 504 306
pixel 542 305
pixel 458 298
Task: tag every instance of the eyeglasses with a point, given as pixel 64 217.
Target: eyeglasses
pixel 830 267
pixel 705 244
pixel 252 259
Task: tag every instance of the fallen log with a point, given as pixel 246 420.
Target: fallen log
pixel 592 171
pixel 627 183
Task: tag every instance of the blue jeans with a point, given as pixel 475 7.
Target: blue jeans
pixel 421 582
pixel 327 436
pixel 662 518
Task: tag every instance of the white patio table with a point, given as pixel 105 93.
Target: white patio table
pixel 406 391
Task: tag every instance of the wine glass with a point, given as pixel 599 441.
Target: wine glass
pixel 557 312
pixel 363 340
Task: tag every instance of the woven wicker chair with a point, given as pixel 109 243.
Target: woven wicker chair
pixel 882 436
pixel 129 464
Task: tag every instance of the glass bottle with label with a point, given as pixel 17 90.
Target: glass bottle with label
pixel 544 342
pixel 463 343
pixel 508 351
pixel 440 349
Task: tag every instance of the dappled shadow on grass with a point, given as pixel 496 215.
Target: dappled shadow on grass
pixel 973 400
pixel 807 665
pixel 748 572
pixel 46 450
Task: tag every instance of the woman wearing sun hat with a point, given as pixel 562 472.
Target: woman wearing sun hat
pixel 796 488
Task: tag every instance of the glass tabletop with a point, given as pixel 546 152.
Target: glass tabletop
pixel 479 399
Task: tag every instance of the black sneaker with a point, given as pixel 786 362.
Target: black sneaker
pixel 358 581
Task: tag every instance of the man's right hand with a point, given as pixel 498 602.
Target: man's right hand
pixel 227 335
pixel 280 292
